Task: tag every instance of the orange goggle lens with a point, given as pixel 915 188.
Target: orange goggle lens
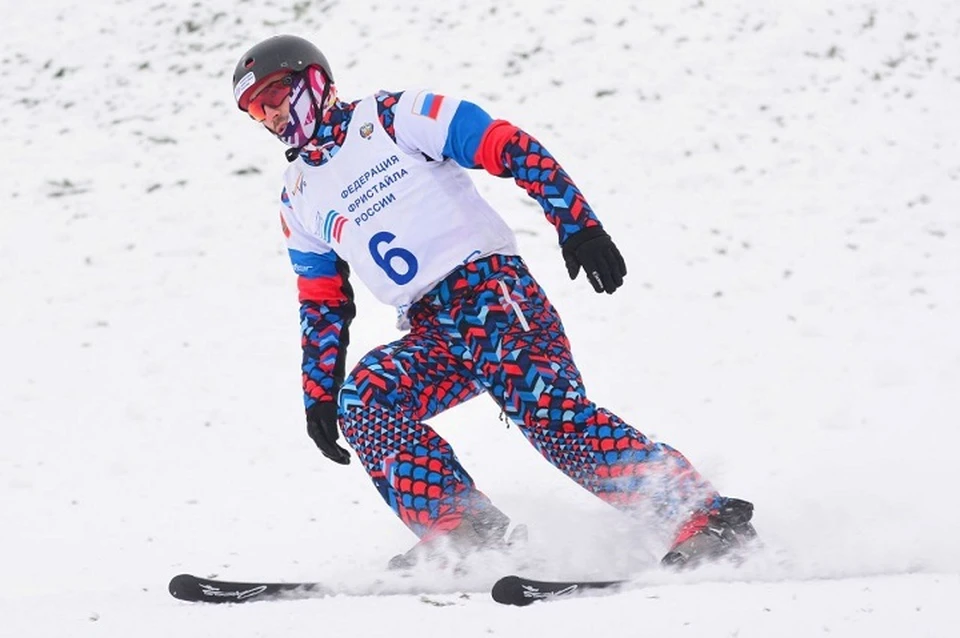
pixel 271 95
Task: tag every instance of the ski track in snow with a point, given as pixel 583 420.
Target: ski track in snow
pixel 784 182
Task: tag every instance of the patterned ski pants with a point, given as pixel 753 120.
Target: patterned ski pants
pixel 489 327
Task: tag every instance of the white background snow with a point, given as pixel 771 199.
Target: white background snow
pixel 783 179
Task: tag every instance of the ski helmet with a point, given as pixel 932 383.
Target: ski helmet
pixel 272 57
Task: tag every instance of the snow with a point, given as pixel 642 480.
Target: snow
pixel 784 182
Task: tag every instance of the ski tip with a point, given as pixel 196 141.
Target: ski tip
pixel 509 591
pixel 182 586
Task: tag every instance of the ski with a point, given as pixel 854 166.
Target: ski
pixel 519 591
pixel 195 589
pixel 192 588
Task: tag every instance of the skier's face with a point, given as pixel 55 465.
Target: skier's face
pixel 289 106
pixel 277 117
pixel 271 104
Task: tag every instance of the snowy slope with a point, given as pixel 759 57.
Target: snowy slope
pixel 783 181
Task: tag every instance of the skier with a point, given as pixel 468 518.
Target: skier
pixel 380 184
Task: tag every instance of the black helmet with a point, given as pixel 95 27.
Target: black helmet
pixel 275 55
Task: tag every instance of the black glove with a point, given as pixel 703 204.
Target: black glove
pixel 593 250
pixel 322 428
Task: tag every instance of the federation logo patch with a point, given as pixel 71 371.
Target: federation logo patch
pixel 331 226
pixel 299 185
pixel 366 130
pixel 428 105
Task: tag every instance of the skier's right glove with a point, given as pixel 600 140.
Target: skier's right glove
pixel 322 428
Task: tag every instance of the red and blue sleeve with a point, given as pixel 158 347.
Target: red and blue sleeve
pixel 475 140
pixel 324 337
pixel 326 310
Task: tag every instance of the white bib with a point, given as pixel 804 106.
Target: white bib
pixel 402 223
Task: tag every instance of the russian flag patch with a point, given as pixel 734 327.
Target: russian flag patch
pixel 428 104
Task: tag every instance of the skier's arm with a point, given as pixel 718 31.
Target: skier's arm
pixel 326 310
pixel 476 140
pixel 506 151
pixel 441 128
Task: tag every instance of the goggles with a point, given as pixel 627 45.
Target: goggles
pixel 272 95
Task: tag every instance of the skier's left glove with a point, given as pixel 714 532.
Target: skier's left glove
pixel 322 428
pixel 594 251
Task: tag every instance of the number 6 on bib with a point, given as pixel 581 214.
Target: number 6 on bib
pixel 385 260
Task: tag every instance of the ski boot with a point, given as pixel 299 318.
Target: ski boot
pixel 473 532
pixel 710 536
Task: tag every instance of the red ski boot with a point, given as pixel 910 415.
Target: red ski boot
pixel 710 536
